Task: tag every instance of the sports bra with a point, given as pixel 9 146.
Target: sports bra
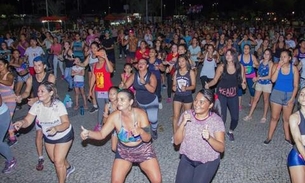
pixel 125 135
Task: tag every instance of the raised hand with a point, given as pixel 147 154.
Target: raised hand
pixel 205 133
pixel 84 134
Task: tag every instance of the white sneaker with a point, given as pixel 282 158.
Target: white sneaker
pixel 160 105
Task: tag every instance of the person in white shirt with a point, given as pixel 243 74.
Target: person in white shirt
pixel 32 52
pixel 289 41
pixel 78 72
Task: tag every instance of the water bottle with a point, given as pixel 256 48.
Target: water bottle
pixel 81 110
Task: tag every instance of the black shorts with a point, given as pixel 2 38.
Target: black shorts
pixel 64 139
pixel 183 99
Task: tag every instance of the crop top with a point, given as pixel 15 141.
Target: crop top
pixel 125 135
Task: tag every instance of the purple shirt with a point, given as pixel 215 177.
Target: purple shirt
pixel 193 145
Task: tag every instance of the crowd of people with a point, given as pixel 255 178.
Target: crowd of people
pixel 227 59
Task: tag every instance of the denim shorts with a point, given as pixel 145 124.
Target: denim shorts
pixel 280 97
pixel 79 84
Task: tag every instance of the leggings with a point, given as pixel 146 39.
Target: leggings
pixel 152 112
pixel 250 86
pixel 101 102
pixel 169 85
pixel 158 90
pixel 232 104
pixel 4 125
pixel 195 171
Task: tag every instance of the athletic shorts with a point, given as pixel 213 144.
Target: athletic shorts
pixel 23 78
pixel 295 158
pixel 64 139
pixel 183 99
pixel 135 154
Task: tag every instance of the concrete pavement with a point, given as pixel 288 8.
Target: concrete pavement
pixel 246 160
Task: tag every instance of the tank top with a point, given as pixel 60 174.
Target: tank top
pixel 302 124
pixel 300 55
pixel 249 69
pixel 183 80
pixel 208 68
pixel 278 52
pixel 7 92
pixel 36 83
pixel 284 82
pixel 78 49
pixel 22 49
pixel 92 60
pixel 69 63
pixel 102 78
pixel 228 85
pixel 143 96
pixel 263 70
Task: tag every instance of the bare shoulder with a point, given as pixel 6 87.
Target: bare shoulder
pixel 295 118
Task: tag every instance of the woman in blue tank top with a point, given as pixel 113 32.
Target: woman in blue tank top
pixel 263 85
pixel 286 79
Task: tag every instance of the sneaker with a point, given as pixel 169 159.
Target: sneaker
pixel 12 142
pixel 9 166
pixel 93 110
pixel 154 134
pixel 168 100
pixel 39 166
pixel 70 170
pixel 267 141
pixel 120 56
pixel 160 105
pixel 231 136
pixel 164 87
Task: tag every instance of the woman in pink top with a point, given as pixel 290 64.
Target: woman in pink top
pixel 201 133
pixel 56 50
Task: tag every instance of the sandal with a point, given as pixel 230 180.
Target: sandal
pixel 263 120
pixel 247 118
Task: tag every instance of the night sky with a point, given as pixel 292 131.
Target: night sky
pixel 102 6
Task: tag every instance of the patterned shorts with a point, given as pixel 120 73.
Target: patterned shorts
pixel 135 154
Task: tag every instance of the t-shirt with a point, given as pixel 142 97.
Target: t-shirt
pixel 33 53
pixel 47 117
pixel 78 78
pixel 193 145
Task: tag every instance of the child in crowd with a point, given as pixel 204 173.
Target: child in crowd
pixel 126 74
pixel 78 72
pixel 110 108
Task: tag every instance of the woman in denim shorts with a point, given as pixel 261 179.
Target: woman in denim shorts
pixel 286 78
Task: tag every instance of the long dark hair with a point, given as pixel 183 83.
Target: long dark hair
pixel 236 65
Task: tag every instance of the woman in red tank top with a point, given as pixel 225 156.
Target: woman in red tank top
pixel 101 81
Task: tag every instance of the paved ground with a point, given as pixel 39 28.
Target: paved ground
pixel 246 160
